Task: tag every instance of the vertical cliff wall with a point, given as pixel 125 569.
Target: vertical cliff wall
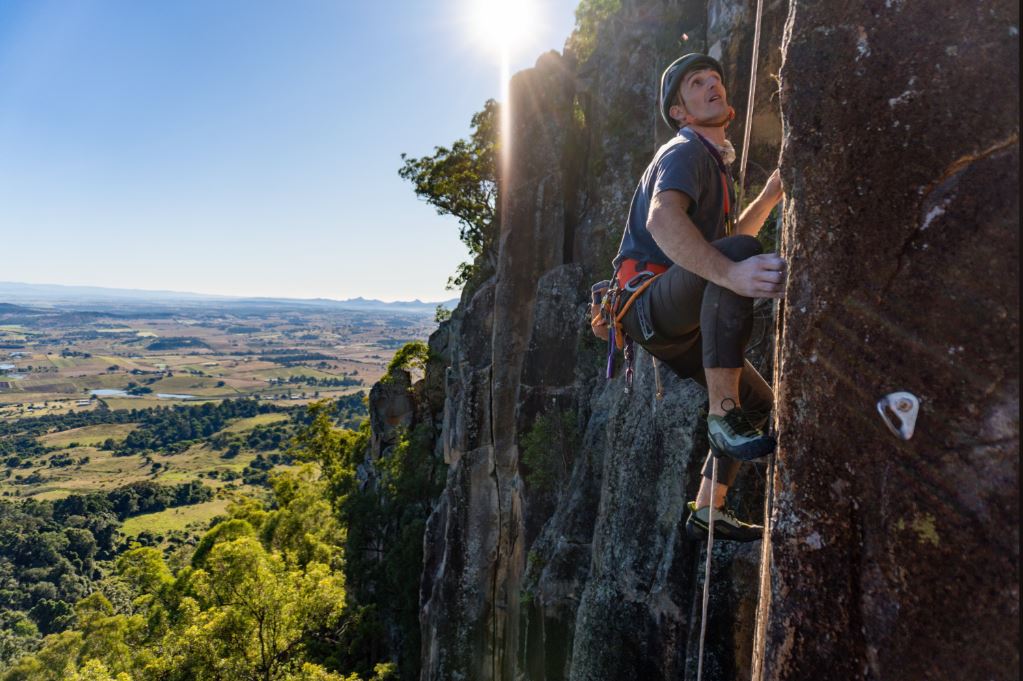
pixel 592 580
pixel 899 559
pixel 888 558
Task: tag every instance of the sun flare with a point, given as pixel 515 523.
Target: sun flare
pixel 502 24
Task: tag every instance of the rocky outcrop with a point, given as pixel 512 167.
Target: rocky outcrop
pixel 888 558
pixel 594 581
pixel 391 412
pixel 895 559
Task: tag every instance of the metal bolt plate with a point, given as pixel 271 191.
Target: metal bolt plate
pixel 904 407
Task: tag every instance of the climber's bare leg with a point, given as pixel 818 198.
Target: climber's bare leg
pixel 722 385
pixel 703 497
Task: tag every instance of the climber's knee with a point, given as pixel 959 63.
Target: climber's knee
pixel 739 247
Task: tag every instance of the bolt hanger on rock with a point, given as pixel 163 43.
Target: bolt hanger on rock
pixel 904 407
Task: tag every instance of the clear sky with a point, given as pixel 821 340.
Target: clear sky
pixel 239 147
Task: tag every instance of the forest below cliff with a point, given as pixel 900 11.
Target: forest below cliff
pixel 305 586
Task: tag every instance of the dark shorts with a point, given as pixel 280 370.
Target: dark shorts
pixel 690 324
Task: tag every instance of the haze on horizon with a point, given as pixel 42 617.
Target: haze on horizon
pixel 238 148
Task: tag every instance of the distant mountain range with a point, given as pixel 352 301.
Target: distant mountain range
pixel 56 294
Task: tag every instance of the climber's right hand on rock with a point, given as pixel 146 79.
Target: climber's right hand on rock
pixel 761 276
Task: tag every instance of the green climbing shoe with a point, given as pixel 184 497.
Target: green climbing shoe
pixel 735 436
pixel 726 525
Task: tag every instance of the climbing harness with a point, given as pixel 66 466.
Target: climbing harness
pixel 609 303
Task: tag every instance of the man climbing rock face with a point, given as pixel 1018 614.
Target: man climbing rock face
pixel 697 316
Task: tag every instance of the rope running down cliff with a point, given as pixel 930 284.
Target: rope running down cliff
pixel 714 463
pixel 750 103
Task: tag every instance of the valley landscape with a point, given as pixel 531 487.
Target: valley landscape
pixel 137 430
pixel 82 381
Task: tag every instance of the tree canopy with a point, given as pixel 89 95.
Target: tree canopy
pixel 462 181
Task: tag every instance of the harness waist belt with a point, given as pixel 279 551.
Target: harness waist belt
pixel 630 267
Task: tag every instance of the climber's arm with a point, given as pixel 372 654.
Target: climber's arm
pixel 761 276
pixel 753 217
pixel 681 240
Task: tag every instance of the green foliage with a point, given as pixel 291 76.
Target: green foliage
pixel 46 563
pixel 412 356
pixel 589 16
pixel 547 450
pixel 384 541
pixel 441 314
pixel 462 181
pixel 321 584
pixel 264 606
pixel 228 530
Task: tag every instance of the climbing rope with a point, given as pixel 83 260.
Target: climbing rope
pixel 714 463
pixel 764 586
pixel 657 379
pixel 707 564
pixel 749 104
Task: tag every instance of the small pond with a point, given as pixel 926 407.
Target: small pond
pixel 109 392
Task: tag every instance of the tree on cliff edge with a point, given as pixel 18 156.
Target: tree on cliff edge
pixel 462 181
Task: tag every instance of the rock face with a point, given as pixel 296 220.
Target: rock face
pixel 888 559
pixel 899 559
pixel 594 580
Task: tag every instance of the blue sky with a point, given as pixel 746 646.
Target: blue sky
pixel 239 147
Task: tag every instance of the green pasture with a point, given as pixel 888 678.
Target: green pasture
pixel 241 425
pixel 104 471
pixel 126 364
pixel 97 381
pixel 52 386
pixel 88 435
pixel 116 403
pixel 288 372
pixel 185 383
pixel 180 518
pixel 64 362
pixel 148 401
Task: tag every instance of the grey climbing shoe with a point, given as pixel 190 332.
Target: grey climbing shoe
pixel 734 435
pixel 726 525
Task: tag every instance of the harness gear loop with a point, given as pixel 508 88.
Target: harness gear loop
pixel 636 292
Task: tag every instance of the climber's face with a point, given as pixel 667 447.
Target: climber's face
pixel 702 99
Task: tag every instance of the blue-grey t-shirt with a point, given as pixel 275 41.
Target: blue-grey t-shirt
pixel 686 165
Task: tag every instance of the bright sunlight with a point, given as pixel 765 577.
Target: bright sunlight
pixel 502 24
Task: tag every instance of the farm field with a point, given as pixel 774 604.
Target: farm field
pixel 91 381
pixel 55 360
pixel 97 470
pixel 195 516
pixel 128 430
pixel 73 369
